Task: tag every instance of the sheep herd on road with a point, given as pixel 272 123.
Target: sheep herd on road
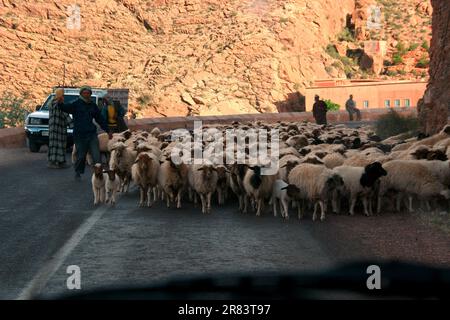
pixel 320 168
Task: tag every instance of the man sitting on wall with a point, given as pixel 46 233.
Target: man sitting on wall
pixel 350 105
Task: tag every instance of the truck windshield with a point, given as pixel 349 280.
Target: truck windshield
pixel 67 99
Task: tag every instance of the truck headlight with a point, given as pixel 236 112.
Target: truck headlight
pixel 35 121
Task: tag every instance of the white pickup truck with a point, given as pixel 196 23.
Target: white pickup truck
pixel 36 123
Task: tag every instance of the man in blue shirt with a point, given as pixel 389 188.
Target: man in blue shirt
pixel 84 110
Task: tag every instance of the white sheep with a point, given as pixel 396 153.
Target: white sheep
pixel 333 160
pixel 172 179
pixel 112 186
pixel 286 164
pixel 155 132
pixel 144 173
pixel 121 161
pixel 203 180
pixel 280 198
pixel 410 178
pixel 315 183
pixel 98 184
pixel 360 182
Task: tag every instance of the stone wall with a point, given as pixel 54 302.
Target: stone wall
pixel 15 137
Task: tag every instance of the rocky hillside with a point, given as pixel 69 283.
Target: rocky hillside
pixel 182 57
pixel 435 105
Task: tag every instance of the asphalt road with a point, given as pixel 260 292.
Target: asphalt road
pixel 48 222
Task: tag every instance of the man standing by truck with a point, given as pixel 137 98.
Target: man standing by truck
pixel 84 110
pixel 57 133
pixel 114 113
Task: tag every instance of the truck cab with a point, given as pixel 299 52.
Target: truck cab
pixel 36 123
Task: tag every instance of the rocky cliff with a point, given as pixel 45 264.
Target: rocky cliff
pixel 182 57
pixel 433 109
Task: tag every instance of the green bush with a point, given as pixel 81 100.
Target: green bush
pixel 331 106
pixel 392 124
pixel 144 100
pixel 392 73
pixel 401 49
pixel 346 35
pixel 13 111
pixel 332 52
pixel 423 62
pixel 425 45
pixel 413 46
pixel 397 59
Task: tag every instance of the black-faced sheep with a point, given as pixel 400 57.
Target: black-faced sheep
pixel 361 182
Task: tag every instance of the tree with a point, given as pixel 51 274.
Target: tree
pixel 332 106
pixel 13 111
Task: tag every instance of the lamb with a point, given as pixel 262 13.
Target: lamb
pixel 361 182
pixel 112 186
pixel 258 187
pixel 121 161
pixel 98 184
pixel 315 183
pixel 280 197
pixel 172 179
pixel 203 179
pixel 410 178
pixel 144 172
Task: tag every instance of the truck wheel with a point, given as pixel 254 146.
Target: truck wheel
pixel 33 146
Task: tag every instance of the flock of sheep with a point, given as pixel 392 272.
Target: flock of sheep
pixel 320 167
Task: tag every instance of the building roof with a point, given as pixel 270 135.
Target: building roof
pixel 336 83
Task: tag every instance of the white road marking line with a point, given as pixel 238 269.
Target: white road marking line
pixel 37 284
pixel 39 281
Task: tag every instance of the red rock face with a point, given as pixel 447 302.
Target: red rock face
pixel 177 57
pixel 433 111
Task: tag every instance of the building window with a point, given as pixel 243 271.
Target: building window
pixel 366 103
pixel 396 103
pixel 387 103
pixel 407 103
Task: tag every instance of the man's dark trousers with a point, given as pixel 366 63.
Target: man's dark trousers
pixel 83 145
